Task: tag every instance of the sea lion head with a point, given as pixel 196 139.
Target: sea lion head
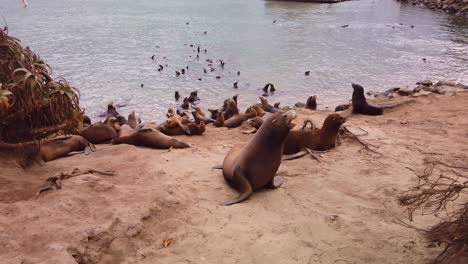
pixel 333 121
pixel 265 104
pixel 252 113
pixel 279 124
pixel 358 91
pixel 122 120
pixel 276 105
pixel 114 123
pixel 111 111
pixel 255 122
pixel 231 108
pixel 86 121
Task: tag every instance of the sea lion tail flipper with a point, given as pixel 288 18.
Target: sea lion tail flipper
pixel 185 129
pixel 217 167
pixel 248 131
pixel 88 150
pixel 276 182
pixel 243 185
pixel 300 154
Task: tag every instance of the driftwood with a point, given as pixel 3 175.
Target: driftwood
pixel 55 182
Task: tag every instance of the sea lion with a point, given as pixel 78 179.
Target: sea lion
pixel 250 167
pixel 177 120
pixel 231 109
pixel 266 106
pixel 214 113
pixel 311 102
pixel 185 105
pixel 195 129
pixel 98 133
pixel 193 97
pixel 360 105
pixel 199 117
pixel 316 139
pixel 132 120
pixel 86 121
pixel 257 109
pixel 150 138
pixel 60 147
pixel 219 119
pixel 111 111
pixel 236 120
pixel 256 122
pixel 176 95
pixel 342 107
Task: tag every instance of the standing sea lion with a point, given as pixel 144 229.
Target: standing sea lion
pixel 150 138
pixel 185 105
pixel 60 147
pixel 250 167
pixel 316 139
pixel 360 105
pixel 231 109
pixel 195 129
pixel 311 103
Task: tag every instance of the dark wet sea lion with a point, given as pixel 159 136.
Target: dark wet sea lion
pixel 236 120
pixel 177 96
pixel 150 138
pixel 214 113
pixel 132 120
pixel 60 147
pixel 195 129
pixel 111 111
pixel 311 103
pixel 360 105
pixel 266 106
pixel 316 139
pixel 86 121
pixel 253 166
pixel 98 133
pixel 185 105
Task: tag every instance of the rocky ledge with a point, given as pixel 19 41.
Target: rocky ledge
pixel 458 7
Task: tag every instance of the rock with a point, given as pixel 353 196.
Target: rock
pixel 449 2
pixel 404 92
pixel 461 85
pixel 447 83
pixel 299 105
pixel 425 83
pixel 341 107
pixel 417 89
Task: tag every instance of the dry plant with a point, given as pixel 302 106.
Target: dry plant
pixel 32 104
pixel 442 191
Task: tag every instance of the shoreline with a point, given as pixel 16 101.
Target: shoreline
pixel 457 7
pixel 342 207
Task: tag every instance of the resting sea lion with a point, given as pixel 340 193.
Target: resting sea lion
pixel 316 139
pixel 150 138
pixel 231 109
pixel 177 120
pixel 199 117
pixel 132 121
pixel 98 133
pixel 60 147
pixel 257 109
pixel 250 167
pixel 235 120
pixel 195 129
pixel 214 113
pixel 360 105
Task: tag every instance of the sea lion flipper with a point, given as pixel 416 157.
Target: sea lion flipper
pixel 217 167
pixel 300 154
pixel 243 185
pixel 276 182
pixel 88 150
pixel 185 128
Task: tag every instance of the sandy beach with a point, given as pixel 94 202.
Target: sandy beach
pixel 165 206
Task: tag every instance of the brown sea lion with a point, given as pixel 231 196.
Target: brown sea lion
pixel 150 138
pixel 60 147
pixel 257 109
pixel 177 120
pixel 100 133
pixel 195 129
pixel 112 122
pixel 316 139
pixel 219 119
pixel 132 120
pixel 266 106
pixel 199 116
pixel 231 109
pixel 253 166
pixel 360 105
pixel 236 120
pixel 311 103
pixel 214 113
pixel 256 122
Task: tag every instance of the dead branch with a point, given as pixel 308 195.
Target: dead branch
pixel 55 182
pixel 346 133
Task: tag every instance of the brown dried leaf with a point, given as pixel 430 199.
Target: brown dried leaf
pixel 167 242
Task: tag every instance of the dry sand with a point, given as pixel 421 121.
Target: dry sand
pixel 342 209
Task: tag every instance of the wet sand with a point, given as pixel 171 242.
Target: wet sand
pixel 342 209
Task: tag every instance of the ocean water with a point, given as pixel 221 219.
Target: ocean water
pixel 104 48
